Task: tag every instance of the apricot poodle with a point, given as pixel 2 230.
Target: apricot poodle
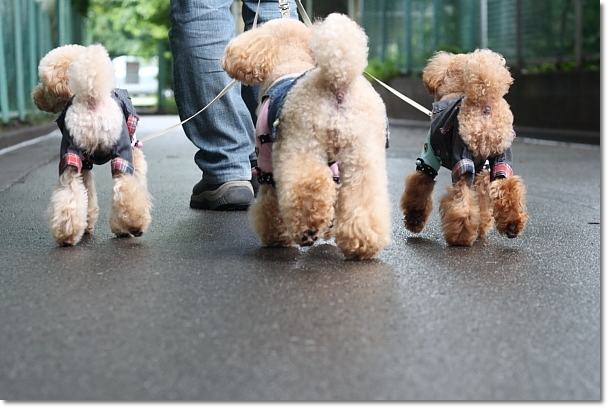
pixel 98 125
pixel 471 134
pixel 321 135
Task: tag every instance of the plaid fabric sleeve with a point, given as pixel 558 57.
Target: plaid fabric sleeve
pixel 501 165
pixel 502 170
pixel 462 167
pixel 121 96
pixel 132 122
pixel 70 159
pixel 120 165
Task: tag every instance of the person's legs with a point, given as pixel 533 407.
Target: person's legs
pixel 268 10
pixel 200 30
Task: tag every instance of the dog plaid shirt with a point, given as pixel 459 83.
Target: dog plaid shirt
pixel 444 147
pixel 121 155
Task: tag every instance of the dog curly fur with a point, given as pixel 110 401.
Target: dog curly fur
pixel 95 122
pixel 318 126
pixel 468 211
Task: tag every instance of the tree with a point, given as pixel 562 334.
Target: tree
pixel 128 27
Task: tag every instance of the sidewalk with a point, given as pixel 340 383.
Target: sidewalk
pixel 196 309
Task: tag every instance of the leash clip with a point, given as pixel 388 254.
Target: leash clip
pixel 284 8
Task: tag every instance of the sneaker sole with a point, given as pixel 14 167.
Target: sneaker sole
pixel 230 196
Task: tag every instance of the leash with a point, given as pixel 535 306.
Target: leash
pixel 162 132
pixel 401 96
pixel 398 94
pixel 302 12
pixel 223 91
pixel 284 6
pixel 284 9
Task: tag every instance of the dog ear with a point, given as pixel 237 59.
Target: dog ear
pixel 435 71
pixel 52 93
pixel 39 99
pixel 251 56
pixel 47 101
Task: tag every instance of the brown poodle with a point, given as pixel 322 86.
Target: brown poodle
pixel 472 126
pixel 98 125
pixel 316 109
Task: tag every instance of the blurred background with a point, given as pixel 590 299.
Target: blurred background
pixel 551 46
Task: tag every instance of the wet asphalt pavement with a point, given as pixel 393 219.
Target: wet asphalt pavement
pixel 196 309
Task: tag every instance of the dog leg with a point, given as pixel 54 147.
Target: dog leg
pixel 130 212
pixel 482 189
pixel 306 194
pixel 69 208
pixel 141 170
pixel 93 207
pixel 266 220
pixel 417 200
pixel 508 195
pixel 363 223
pixel 460 214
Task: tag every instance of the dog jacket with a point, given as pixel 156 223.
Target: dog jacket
pixel 267 124
pixel 444 147
pixel 121 155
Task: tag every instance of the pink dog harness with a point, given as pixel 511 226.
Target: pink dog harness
pixel 267 124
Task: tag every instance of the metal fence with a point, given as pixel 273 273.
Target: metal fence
pixel 406 32
pixel 525 32
pixel 28 30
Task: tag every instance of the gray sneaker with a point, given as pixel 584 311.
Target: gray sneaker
pixel 231 195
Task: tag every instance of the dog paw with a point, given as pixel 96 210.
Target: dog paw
pixel 67 233
pixel 68 242
pixel 415 221
pixel 512 231
pixel 309 237
pixel 511 225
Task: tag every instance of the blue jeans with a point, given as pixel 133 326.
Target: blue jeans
pixel 224 133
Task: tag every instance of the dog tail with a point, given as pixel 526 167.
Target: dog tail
pixel 91 74
pixel 340 49
pixel 486 76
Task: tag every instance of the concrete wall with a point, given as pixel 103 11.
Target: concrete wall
pixel 553 106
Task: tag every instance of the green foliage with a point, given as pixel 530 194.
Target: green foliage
pixel 454 49
pixel 383 70
pixel 170 106
pixel 81 6
pixel 129 27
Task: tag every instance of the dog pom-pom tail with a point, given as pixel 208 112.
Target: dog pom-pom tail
pixel 341 61
pixel 487 77
pixel 91 74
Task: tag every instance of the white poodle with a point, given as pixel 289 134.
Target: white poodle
pixel 98 125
